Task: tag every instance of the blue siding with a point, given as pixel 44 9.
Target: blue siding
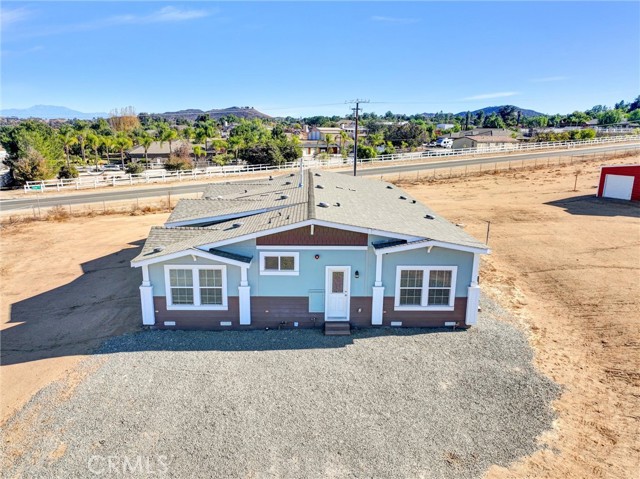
pixel 312 271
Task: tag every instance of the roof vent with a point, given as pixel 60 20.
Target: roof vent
pixel 270 178
pixel 284 197
pixel 389 187
pixel 158 249
pixel 237 225
pixel 413 202
pixel 292 174
pixel 403 197
pixel 323 205
pixel 317 174
pixel 287 182
pixel 218 197
pixel 429 217
pixel 320 187
pixel 337 204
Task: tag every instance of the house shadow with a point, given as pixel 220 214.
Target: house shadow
pixel 74 319
pixel 590 205
pixel 99 313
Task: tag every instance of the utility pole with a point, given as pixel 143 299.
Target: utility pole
pixel 355 136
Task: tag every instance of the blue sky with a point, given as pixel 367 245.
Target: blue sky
pixel 308 58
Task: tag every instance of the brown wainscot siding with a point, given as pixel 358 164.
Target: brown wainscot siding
pixel 322 236
pixel 424 319
pixel 281 312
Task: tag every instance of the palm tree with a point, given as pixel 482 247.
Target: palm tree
pixel 188 133
pixel 198 151
pixel 145 142
pixel 81 135
pixel 169 135
pixel 204 131
pixel 94 143
pixel 328 139
pixel 122 143
pixel 107 143
pixel 69 139
pixel 344 137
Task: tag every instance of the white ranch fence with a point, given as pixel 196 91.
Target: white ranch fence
pixel 162 176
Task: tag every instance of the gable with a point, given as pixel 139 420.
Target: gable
pixel 314 236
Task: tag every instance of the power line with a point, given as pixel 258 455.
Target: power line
pixel 355 148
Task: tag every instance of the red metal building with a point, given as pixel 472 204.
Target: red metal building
pixel 621 182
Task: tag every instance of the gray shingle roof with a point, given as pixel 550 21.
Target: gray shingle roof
pixel 325 196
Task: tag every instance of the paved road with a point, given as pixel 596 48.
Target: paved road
pixel 45 200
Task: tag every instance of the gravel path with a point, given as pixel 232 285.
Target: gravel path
pixel 384 403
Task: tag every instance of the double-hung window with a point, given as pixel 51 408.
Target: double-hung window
pixel 279 263
pixel 425 287
pixel 196 287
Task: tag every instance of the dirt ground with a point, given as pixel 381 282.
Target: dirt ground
pixel 55 301
pixel 567 265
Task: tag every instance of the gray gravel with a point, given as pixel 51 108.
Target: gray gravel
pixel 385 403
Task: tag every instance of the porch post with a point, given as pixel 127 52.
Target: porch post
pixel 377 297
pixel 473 294
pixel 146 298
pixel 244 297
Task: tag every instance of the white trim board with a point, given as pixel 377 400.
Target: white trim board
pixel 190 252
pixel 429 244
pixel 281 248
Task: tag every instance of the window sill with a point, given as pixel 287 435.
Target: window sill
pixel 423 308
pixel 279 273
pixel 187 307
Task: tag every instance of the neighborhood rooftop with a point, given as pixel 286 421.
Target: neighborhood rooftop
pixel 236 210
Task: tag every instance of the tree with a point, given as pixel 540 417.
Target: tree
pixel 635 104
pixel 576 118
pixel 32 166
pixel 19 140
pixel 180 160
pixel 509 115
pixel 198 151
pixel 169 135
pixel 145 141
pixel 375 139
pixel 634 115
pixel 480 117
pixel 365 151
pixel 94 143
pixel 188 133
pixel 411 133
pixel 262 154
pixel 124 119
pixel 610 117
pixel 328 139
pixel 81 135
pixel 122 143
pixel 108 144
pixel 278 133
pixel 494 121
pixel 68 138
pixel 205 130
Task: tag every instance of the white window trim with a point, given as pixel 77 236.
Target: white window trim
pixel 425 288
pixel 196 306
pixel 296 263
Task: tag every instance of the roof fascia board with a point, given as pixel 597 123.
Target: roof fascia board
pixel 190 251
pixel 428 244
pixel 222 218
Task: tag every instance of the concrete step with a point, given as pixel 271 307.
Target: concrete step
pixel 337 328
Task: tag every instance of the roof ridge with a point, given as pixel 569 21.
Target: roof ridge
pixel 311 197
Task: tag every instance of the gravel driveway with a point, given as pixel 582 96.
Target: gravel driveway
pixel 381 403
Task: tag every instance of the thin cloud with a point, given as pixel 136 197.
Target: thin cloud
pixel 395 20
pixel 25 51
pixel 488 96
pixel 548 79
pixel 164 15
pixel 9 16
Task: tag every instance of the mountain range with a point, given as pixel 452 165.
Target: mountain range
pixel 494 109
pixel 48 112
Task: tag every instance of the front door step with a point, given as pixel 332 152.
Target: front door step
pixel 337 328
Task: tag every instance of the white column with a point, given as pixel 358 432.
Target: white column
pixel 473 294
pixel 146 298
pixel 244 297
pixel 377 297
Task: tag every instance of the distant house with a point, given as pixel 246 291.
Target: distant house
pixel 318 250
pixel 484 142
pixel 590 123
pixel 320 133
pixel 157 152
pixel 313 148
pixel 445 126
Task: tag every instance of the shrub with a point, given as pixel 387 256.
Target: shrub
pixel 365 151
pixel 134 168
pixel 175 163
pixel 31 167
pixel 67 172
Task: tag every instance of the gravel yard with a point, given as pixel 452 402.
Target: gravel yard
pixel 381 403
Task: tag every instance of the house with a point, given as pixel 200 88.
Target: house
pixel 157 152
pixel 620 181
pixel 485 142
pixel 320 133
pixel 445 126
pixel 313 148
pixel 305 250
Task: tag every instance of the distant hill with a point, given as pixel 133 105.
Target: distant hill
pixel 494 109
pixel 192 114
pixel 48 112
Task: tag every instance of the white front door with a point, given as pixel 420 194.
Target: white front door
pixel 618 186
pixel 337 293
